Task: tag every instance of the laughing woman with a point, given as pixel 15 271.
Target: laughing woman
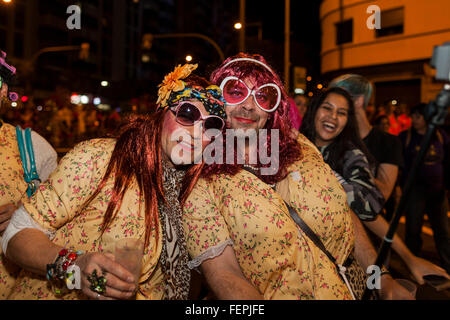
pixel 105 190
pixel 331 124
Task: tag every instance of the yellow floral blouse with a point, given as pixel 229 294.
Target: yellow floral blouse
pixel 56 207
pixel 274 254
pixel 12 188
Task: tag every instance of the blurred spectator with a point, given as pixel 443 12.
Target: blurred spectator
pixel 91 121
pixel 370 112
pixel 294 114
pixel 403 119
pixel 394 125
pixel 381 122
pixel 113 122
pixel 80 116
pixel 302 103
pixel 428 194
pixel 397 114
pixel 26 118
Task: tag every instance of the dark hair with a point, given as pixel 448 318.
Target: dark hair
pixel 378 119
pixel 421 109
pixel 349 137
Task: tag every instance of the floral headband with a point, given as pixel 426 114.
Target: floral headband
pixel 173 89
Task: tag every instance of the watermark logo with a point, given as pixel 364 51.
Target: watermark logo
pixel 74 20
pixel 374 20
pixel 74 279
pixel 374 280
pixel 239 143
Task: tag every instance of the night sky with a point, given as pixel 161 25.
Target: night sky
pixel 305 29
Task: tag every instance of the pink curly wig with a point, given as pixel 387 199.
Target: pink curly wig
pixel 289 149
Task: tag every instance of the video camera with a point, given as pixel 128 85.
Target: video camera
pixel 437 110
pixel 441 61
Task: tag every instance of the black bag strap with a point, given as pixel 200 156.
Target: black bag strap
pixel 307 230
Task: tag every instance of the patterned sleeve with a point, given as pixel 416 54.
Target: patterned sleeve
pixel 60 198
pixel 46 157
pixel 363 196
pixel 205 228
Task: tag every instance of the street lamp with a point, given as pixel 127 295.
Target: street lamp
pixel 238 25
pixel 242 23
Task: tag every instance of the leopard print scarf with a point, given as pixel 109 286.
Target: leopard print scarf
pixel 174 256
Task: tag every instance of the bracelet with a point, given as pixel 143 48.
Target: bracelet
pixel 61 268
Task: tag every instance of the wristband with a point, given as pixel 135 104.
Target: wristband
pixel 61 268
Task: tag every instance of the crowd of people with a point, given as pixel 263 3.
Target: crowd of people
pixel 64 124
pixel 293 227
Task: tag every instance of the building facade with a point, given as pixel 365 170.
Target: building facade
pixel 394 57
pixel 112 28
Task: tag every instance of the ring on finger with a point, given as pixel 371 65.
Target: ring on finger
pixel 98 284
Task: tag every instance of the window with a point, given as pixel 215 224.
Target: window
pixel 344 32
pixel 391 23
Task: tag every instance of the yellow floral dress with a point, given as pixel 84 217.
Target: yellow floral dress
pixel 274 254
pixel 12 188
pixel 56 207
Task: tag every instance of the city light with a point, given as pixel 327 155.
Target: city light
pixel 238 25
pixel 394 102
pixel 105 107
pixel 24 99
pixel 188 58
pixel 299 91
pixel 6 1
pixel 310 94
pixel 145 58
pixel 75 99
pixel 97 101
pixel 308 78
pixel 84 99
pixel 319 86
pixel 14 104
pixel 105 83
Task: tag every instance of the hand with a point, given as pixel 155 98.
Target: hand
pixel 420 267
pixel 120 283
pixel 392 290
pixel 6 212
pixel 294 133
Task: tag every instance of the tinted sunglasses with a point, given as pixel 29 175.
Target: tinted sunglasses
pixel 188 114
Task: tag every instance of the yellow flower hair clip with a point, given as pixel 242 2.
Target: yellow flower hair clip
pixel 173 83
